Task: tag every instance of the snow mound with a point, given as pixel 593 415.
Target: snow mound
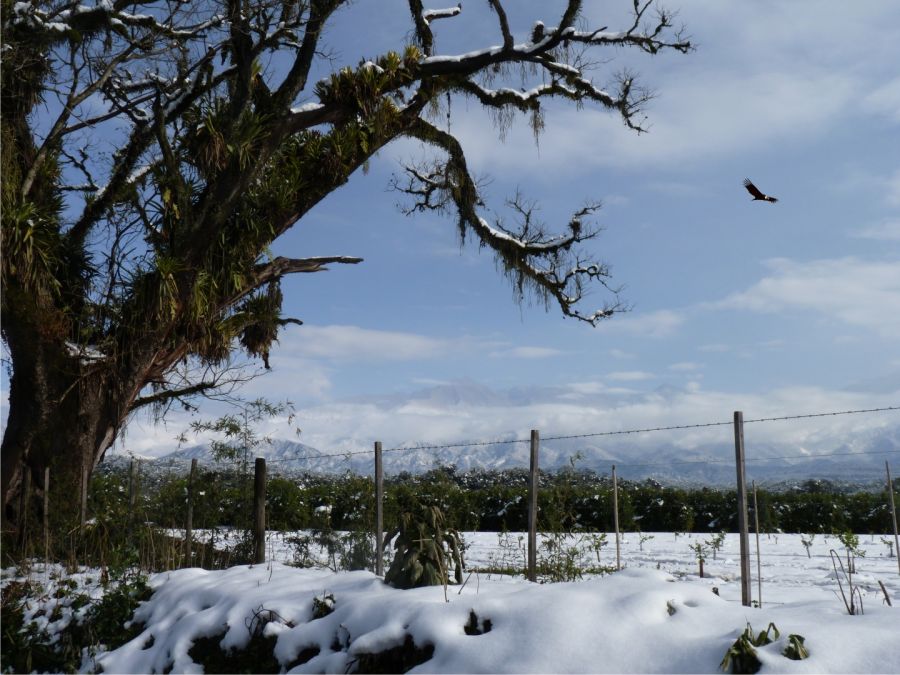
pixel 637 620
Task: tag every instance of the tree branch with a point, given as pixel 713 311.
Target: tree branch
pixel 165 395
pixel 281 266
pixel 561 276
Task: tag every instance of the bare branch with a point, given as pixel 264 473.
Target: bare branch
pixel 295 81
pixel 281 266
pixel 169 394
pixel 529 255
pixel 504 23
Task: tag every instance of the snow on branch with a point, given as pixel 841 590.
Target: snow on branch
pixel 547 264
pixel 544 40
pixel 429 15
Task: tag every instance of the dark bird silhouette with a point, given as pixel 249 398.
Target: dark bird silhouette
pixel 757 195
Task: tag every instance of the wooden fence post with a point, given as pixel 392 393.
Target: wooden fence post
pixel 890 489
pixel 24 501
pixel 742 507
pixel 84 494
pixel 131 484
pixel 756 530
pixel 46 518
pixel 379 511
pixel 189 524
pixel 259 510
pixel 533 506
pixel 616 516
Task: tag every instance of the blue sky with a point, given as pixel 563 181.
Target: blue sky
pixel 774 309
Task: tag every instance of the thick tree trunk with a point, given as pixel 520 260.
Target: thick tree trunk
pixel 62 415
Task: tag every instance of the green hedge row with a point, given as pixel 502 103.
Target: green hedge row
pixel 489 501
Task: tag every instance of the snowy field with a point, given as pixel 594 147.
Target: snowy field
pixel 657 615
pixel 788 573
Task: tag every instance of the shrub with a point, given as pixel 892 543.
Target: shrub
pixel 424 549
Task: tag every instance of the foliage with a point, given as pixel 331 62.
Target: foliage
pixel 796 649
pixel 237 438
pixel 257 656
pixel 424 550
pixel 741 657
pixel 715 542
pixel 701 550
pixel 850 542
pixel 77 626
pixel 807 541
pixel 851 596
pixel 643 537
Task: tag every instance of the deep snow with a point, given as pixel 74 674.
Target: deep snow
pixel 641 619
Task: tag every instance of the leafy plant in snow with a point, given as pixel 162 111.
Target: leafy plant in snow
pixel 424 550
pixel 559 557
pixel 887 541
pixel 850 542
pixel 510 556
pixel 852 596
pixel 807 541
pixel 642 537
pixel 796 649
pixel 700 552
pixel 742 657
pixel 715 542
pixel 74 624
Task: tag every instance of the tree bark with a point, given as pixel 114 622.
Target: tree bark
pixel 62 416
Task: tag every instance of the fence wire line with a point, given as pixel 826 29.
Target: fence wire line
pixel 473 444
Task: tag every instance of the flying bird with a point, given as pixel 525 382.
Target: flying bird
pixel 757 195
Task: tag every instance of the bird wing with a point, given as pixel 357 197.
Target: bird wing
pixel 752 189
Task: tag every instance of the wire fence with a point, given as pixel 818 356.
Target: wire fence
pixel 456 445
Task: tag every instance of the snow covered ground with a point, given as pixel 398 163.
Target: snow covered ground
pixel 657 615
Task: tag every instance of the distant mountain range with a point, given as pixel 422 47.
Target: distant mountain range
pixel 704 465
pixel 774 453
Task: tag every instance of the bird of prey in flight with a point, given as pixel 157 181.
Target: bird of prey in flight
pixel 757 195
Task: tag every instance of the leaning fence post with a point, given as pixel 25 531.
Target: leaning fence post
pixel 742 507
pixel 379 511
pixel 890 489
pixel 616 516
pixel 533 506
pixel 259 510
pixel 189 524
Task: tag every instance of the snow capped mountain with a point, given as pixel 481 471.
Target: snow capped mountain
pixel 586 425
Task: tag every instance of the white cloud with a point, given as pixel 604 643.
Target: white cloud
pixel 888 230
pixel 620 354
pixel 527 353
pixel 657 324
pixel 715 348
pixel 849 290
pixel 702 111
pixel 592 407
pixel 685 366
pixel 352 343
pixel 885 100
pixel 340 426
pixel 892 189
pixel 630 376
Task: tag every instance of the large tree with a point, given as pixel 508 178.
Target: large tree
pixel 129 277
